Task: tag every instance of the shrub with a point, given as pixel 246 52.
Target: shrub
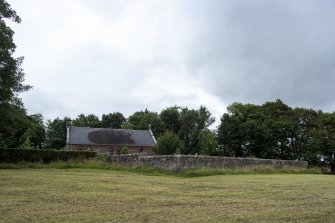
pixel 332 166
pixel 208 143
pixel 168 144
pixel 124 150
pixel 46 156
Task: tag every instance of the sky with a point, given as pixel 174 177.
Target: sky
pixel 103 56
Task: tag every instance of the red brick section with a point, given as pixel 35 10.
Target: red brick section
pixel 113 150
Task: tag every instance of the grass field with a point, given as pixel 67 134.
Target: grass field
pixel 86 195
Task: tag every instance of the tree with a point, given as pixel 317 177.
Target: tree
pixel 113 120
pixel 168 143
pixel 142 120
pixel 13 123
pixel 170 118
pixel 34 136
pixel 277 124
pixel 11 75
pixel 56 133
pixel 305 131
pixel 261 131
pixel 208 143
pixel 13 119
pixel 275 130
pixel 192 123
pixel 87 121
pixel 231 137
pixel 325 138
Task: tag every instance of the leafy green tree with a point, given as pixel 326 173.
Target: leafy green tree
pixel 208 143
pixel 142 120
pixel 34 136
pixel 230 136
pixel 80 121
pixel 13 123
pixel 11 75
pixel 305 131
pixel 192 123
pixel 240 131
pixel 87 121
pixel 168 143
pixel 170 118
pixel 326 137
pixel 20 130
pixel 93 121
pixel 260 131
pixel 13 119
pixel 275 130
pixel 278 124
pixel 113 120
pixel 56 133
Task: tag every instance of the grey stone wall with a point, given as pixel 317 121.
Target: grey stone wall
pixel 182 162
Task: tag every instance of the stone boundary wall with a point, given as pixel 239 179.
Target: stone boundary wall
pixel 183 162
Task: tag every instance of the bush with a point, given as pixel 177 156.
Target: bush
pixel 38 155
pixel 168 144
pixel 332 166
pixel 208 143
pixel 124 150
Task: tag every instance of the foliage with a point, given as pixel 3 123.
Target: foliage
pixel 142 120
pixel 13 118
pixel 17 128
pixel 56 133
pixel 192 123
pixel 34 136
pixel 113 120
pixel 275 130
pixel 34 155
pixel 13 122
pixel 170 118
pixel 168 144
pixel 124 150
pixel 11 75
pixel 90 120
pixel 208 143
pixel 332 165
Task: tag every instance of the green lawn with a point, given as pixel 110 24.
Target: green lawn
pixel 82 195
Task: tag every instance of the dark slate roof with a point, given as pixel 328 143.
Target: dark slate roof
pixel 106 136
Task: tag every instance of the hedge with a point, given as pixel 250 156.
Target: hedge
pixel 42 155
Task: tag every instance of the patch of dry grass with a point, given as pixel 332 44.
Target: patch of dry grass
pixel 84 195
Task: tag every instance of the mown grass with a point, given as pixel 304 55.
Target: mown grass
pixel 147 170
pixel 94 195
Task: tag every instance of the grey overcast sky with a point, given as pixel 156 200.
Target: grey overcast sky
pixel 101 56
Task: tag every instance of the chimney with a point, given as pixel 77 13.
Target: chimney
pixel 152 135
pixel 68 126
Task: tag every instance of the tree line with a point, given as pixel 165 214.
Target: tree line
pixel 276 130
pixel 272 130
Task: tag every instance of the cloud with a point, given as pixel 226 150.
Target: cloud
pixel 263 50
pixel 103 56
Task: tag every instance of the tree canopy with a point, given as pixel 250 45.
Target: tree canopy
pixel 17 129
pixel 11 74
pixel 275 130
pixel 142 120
pixel 113 120
pixel 168 144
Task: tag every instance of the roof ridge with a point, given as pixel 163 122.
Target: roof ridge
pixel 110 128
